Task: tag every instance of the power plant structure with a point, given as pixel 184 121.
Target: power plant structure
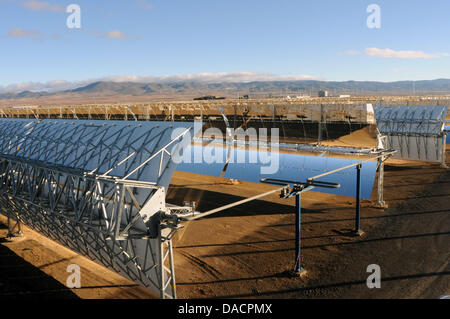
pixel 94 178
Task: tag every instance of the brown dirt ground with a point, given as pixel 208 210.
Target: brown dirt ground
pixel 246 252
pixel 36 267
pixel 365 137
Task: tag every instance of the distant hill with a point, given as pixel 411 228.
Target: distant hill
pixel 192 88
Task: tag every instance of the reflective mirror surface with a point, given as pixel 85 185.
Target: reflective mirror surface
pixel 252 166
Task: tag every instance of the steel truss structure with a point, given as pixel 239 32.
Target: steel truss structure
pixel 97 188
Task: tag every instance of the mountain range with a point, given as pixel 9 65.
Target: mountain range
pixel 189 89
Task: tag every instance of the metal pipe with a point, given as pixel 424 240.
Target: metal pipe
pixel 162 273
pixel 358 200
pixel 298 227
pixel 381 202
pixel 349 166
pixel 275 181
pixel 213 211
pixel 444 145
pixel 172 271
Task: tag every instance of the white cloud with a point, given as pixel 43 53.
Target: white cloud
pixel 116 34
pixel 61 85
pixel 21 33
pixel 37 86
pixel 36 5
pixel 389 53
pixel 211 77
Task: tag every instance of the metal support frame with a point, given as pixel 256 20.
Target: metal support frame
pixel 380 187
pixel 14 225
pixel 358 230
pixel 96 216
pixel 381 142
pixel 444 146
pixel 298 228
pixel 167 267
pixel 297 190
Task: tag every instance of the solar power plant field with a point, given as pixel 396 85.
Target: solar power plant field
pixel 109 196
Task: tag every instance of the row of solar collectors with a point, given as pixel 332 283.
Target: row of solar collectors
pixel 252 166
pixel 101 145
pixel 98 146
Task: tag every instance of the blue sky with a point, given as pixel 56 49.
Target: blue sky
pixel 291 39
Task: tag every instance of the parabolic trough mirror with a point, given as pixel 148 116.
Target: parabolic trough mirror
pixel 253 166
pixel 416 132
pixel 96 187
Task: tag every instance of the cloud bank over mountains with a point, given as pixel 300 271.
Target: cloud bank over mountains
pixel 397 54
pixel 62 85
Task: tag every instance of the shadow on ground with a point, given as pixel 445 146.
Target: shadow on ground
pixel 21 280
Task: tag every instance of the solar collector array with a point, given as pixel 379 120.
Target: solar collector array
pixel 92 146
pixel 49 176
pixel 416 132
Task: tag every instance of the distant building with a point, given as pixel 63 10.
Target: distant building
pixel 323 93
pixel 208 97
pixel 342 96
